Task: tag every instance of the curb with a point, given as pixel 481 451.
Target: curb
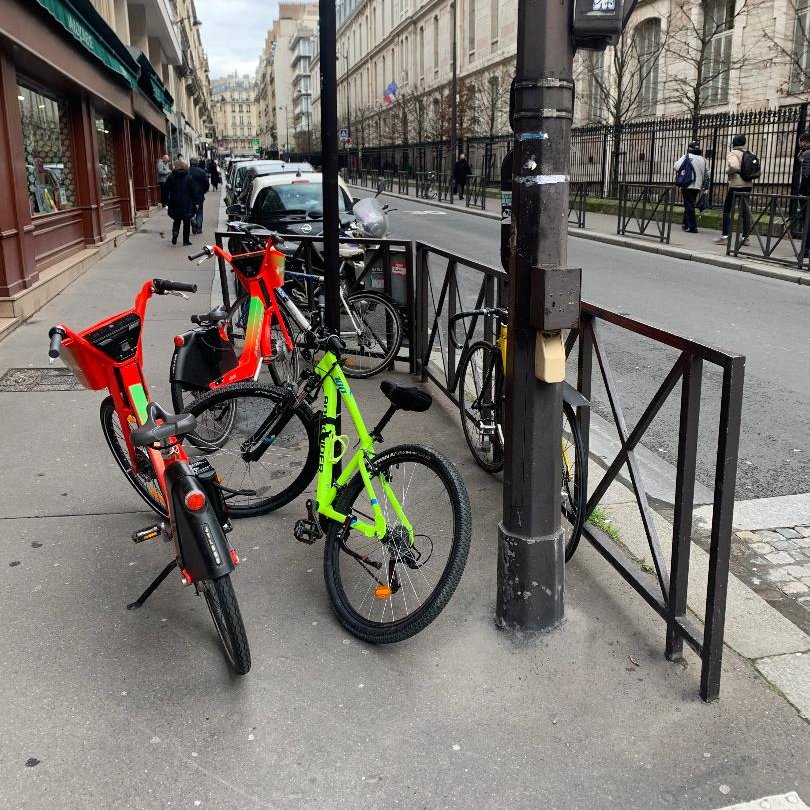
pixel 634 244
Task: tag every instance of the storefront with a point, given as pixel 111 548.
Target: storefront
pixel 79 138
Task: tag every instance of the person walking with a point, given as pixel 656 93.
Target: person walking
pixel 804 188
pixel 164 169
pixel 737 186
pixel 461 171
pixel 200 180
pixel 213 173
pixel 698 186
pixel 180 200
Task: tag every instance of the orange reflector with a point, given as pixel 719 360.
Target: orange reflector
pixel 382 592
pixel 186 576
pixel 195 500
pixel 234 557
pixel 178 340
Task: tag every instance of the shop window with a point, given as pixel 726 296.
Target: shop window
pixel 48 156
pixel 106 158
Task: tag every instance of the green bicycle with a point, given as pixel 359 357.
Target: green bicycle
pixel 397 523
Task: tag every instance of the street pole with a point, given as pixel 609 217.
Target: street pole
pixel 329 138
pixel 531 563
pixel 348 110
pixel 454 96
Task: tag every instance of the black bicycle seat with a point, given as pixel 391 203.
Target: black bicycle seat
pixel 287 248
pixel 245 227
pixel 406 397
pixel 212 317
pixel 151 432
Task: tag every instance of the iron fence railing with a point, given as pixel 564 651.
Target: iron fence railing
pixel 388 177
pixel 447 283
pixel 475 192
pixel 403 183
pixel 445 188
pixel 780 229
pixel 577 197
pixel 642 206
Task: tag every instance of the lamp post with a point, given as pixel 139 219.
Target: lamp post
pixel 454 95
pixel 287 122
pixel 348 116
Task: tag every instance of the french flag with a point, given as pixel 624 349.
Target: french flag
pixel 390 95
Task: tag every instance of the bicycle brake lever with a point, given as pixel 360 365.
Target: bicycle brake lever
pixel 204 259
pixel 176 292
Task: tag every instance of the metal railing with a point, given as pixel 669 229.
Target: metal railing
pixel 445 188
pixel 403 183
pixel 446 284
pixel 577 196
pixel 780 228
pixel 388 178
pixel 475 192
pixel 642 205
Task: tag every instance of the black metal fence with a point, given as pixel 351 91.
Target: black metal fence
pixel 646 210
pixel 475 192
pixel 779 229
pixel 447 283
pixel 577 195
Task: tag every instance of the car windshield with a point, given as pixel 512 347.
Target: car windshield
pixel 294 196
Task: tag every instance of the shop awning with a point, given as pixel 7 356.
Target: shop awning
pixel 88 28
pixel 149 81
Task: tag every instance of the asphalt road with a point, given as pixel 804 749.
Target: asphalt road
pixel 764 319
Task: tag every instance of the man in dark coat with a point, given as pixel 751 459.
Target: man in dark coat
pixel 213 173
pixel 180 200
pixel 461 171
pixel 200 179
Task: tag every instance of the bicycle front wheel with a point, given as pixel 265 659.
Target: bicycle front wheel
pixel 573 496
pixel 142 477
pixel 371 326
pixel 221 600
pixel 388 590
pixel 285 468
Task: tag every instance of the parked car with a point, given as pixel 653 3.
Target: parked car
pixel 233 166
pixel 247 171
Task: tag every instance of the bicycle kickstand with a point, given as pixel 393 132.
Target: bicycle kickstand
pixel 156 582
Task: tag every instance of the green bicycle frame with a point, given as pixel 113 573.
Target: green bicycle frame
pixel 334 384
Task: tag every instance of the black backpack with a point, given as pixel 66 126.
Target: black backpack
pixel 685 175
pixel 750 167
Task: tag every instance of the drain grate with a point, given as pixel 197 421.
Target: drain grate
pixel 23 380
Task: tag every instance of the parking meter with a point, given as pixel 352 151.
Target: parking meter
pixel 598 23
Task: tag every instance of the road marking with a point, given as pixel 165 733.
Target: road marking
pixel 426 213
pixel 786 801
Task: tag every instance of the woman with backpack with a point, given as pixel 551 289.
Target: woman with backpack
pixel 692 177
pixel 742 168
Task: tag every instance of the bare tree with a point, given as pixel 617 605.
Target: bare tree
pixel 795 50
pixel 492 98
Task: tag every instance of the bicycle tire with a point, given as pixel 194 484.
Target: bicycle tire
pixel 573 489
pixel 486 445
pixel 338 559
pixel 144 481
pixel 224 608
pixel 377 314
pixel 286 469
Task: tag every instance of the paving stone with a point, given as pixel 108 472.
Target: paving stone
pixel 749 537
pixel 775 574
pixel 779 558
pixel 784 545
pixel 798 571
pixel 769 536
pixel 802 542
pixel 763 548
pixel 793 587
pixel 804 531
pixel 789 533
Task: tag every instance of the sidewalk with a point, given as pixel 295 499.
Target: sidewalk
pixel 698 247
pixel 105 708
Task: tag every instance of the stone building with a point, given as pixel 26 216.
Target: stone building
pixel 234 106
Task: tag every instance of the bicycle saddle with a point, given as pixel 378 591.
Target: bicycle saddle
pixel 406 397
pixel 351 251
pixel 209 318
pixel 171 425
pixel 287 248
pixel 244 227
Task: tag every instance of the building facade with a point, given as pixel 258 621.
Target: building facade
pixel 235 114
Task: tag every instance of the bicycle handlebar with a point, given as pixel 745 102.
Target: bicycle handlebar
pixel 161 286
pixel 487 312
pixel 56 334
pixel 206 251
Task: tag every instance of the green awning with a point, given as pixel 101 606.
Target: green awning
pixel 83 22
pixel 160 94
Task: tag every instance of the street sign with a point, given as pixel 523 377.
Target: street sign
pixel 256 146
pixel 344 134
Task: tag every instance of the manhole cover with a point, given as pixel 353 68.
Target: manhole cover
pixel 39 379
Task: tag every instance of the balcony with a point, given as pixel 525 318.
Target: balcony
pixel 159 19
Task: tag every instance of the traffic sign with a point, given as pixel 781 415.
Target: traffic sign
pixel 344 134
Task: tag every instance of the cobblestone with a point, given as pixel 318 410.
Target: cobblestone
pixel 759 548
pixel 795 587
pixel 784 545
pixel 788 533
pixel 779 558
pixel 804 531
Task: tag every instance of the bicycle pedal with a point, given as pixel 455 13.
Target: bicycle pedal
pixel 149 533
pixel 307 531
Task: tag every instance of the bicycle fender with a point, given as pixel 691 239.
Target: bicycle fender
pixel 203 358
pixel 573 397
pixel 204 551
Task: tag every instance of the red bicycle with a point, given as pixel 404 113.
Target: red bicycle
pixel 145 441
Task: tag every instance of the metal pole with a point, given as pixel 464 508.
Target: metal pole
pixel 531 557
pixel 453 95
pixel 329 160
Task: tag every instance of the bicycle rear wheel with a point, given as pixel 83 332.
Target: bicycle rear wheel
pixel 372 330
pixel 221 600
pixel 142 478
pixel 286 467
pixel 388 590
pixel 573 496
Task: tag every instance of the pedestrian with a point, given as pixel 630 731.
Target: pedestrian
pixel 164 169
pixel 200 180
pixel 803 157
pixel 737 186
pixel 180 200
pixel 461 171
pixel 213 173
pixel 698 186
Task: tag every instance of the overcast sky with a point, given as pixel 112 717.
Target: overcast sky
pixel 233 33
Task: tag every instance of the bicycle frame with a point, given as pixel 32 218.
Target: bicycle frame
pixel 335 384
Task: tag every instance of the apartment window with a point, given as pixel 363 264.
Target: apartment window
pixel 106 158
pixel 494 19
pixel 594 97
pixel 421 52
pixel 800 69
pixel 247 109
pixel 373 25
pixel 648 39
pixel 404 59
pixel 471 26
pixel 436 44
pixel 718 30
pixel 404 8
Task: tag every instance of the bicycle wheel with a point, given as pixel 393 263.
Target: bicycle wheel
pixel 221 600
pixel 480 402
pixel 372 330
pixel 574 497
pixel 143 477
pixel 287 466
pixel 388 590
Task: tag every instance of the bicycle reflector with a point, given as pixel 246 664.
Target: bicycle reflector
pixel 179 341
pixel 382 592
pixel 195 500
